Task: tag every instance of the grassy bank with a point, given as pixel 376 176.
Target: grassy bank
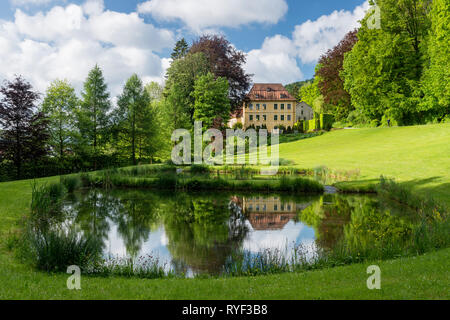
pixel 418 157
pixel 424 277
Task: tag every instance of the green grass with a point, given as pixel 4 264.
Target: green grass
pixel 417 156
pixel 424 277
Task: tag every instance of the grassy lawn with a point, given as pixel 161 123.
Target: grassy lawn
pixel 417 156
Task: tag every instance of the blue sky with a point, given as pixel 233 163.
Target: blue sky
pixel 48 39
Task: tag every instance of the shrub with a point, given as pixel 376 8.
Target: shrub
pixel 45 199
pixel 167 181
pixel 199 169
pixel 71 183
pixel 55 250
pixel 237 126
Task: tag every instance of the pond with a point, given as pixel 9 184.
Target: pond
pixel 198 233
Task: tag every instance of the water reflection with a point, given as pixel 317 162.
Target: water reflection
pixel 197 233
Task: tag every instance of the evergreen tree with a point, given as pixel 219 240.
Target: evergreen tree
pixel 180 50
pixel 134 118
pixel 93 121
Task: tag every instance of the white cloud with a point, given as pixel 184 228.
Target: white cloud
pixel 274 62
pixel 201 14
pixel 314 38
pixel 93 7
pixel 19 3
pixel 66 42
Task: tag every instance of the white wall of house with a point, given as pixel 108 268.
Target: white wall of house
pixel 304 111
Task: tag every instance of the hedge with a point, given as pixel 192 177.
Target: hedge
pixel 326 121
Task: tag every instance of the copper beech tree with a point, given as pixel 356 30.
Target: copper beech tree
pixel 24 134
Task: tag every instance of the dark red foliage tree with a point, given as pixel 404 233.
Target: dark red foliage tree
pixel 227 62
pixel 24 130
pixel 331 84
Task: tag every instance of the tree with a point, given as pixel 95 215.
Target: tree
pixel 180 50
pixel 181 77
pixel 382 72
pixel 24 128
pixel 60 104
pixel 226 62
pixel 436 79
pixel 154 90
pixel 330 81
pixel 93 121
pixel 294 88
pixel 310 92
pixel 134 118
pixel 212 106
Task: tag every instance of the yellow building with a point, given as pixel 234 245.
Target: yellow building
pixel 269 106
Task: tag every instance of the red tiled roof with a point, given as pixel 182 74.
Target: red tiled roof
pixel 269 91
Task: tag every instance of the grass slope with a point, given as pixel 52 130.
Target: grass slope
pixel 416 156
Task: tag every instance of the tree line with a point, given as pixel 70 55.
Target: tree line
pixel 61 133
pixel 397 74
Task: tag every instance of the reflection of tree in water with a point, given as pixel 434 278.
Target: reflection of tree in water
pixel 203 233
pixel 356 220
pixel 132 214
pixel 93 209
pixel 134 220
pixel 374 224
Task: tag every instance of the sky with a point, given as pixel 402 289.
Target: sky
pixel 44 40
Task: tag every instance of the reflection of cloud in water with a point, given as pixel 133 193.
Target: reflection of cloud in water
pixel 155 245
pixel 292 233
pixel 115 245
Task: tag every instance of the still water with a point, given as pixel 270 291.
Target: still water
pixel 197 232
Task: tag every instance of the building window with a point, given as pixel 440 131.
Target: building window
pixel 275 117
pixel 289 106
pixel 257 118
pixel 289 118
pixel 282 106
pixel 275 106
pixel 265 106
pixel 250 117
pixel 302 112
pixel 282 118
pixel 275 207
pixel 251 106
pixel 257 107
pixel 264 117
